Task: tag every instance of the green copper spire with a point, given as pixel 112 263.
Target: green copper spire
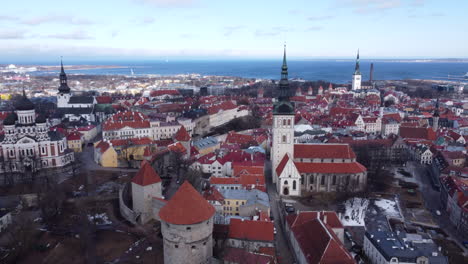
pixel 284 83
pixel 357 71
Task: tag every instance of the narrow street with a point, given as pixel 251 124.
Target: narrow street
pixel 433 203
pixel 282 245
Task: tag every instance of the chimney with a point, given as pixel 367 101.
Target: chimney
pixel 325 218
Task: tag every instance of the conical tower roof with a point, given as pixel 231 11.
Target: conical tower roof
pixel 146 175
pixel 186 207
pixel 63 80
pixel 182 134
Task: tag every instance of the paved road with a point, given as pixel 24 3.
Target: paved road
pixel 282 246
pixel 87 159
pixel 433 203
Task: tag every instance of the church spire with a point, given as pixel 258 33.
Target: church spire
pixel 436 111
pixel 357 71
pixel 284 83
pixel 63 79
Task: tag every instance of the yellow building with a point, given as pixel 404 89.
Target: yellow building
pixel 105 155
pixel 75 141
pixel 231 206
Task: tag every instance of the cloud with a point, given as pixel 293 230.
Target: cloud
pixel 229 30
pixel 8 18
pixel 76 35
pixel 169 3
pixel 314 28
pixel 370 6
pixel 316 18
pixel 17 34
pixel 275 31
pixel 56 19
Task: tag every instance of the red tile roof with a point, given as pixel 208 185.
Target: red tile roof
pixel 417 132
pixel 74 136
pixel 323 151
pixel 146 175
pixel 182 134
pixel 102 146
pixel 251 230
pixel 282 164
pixel 319 244
pixel 340 168
pixel 186 207
pixel 236 138
pixel 242 256
pixel 131 142
pixel 164 92
pixel 329 218
pixel 226 105
pixel 126 119
pixel 212 194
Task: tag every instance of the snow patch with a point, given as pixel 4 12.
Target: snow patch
pixel 355 212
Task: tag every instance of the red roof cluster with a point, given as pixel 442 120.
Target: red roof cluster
pixel 338 168
pixel 126 119
pixel 318 242
pixel 146 175
pixel 186 207
pixel 417 132
pixel 241 139
pixel 156 93
pixel 226 105
pixel 74 136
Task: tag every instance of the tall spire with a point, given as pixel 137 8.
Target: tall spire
pixel 63 79
pixel 357 71
pixel 284 83
pixel 436 110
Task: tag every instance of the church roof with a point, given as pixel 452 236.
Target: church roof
pixel 146 175
pixel 251 230
pixel 24 103
pixel 186 207
pixel 282 164
pixel 339 168
pixel 323 151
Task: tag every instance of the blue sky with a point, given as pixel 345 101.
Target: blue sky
pixel 224 29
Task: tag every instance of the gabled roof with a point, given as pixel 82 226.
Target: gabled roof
pixel 251 230
pixel 186 207
pixel 182 134
pixel 146 175
pixel 319 244
pixel 323 151
pixel 339 168
pixel 282 164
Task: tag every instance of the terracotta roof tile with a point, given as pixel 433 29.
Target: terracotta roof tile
pixel 186 207
pixel 182 134
pixel 146 175
pixel 251 230
pixel 323 151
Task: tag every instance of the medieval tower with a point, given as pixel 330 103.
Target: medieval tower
pixel 356 83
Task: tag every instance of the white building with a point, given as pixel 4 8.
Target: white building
pixel 28 145
pixel 146 185
pixel 74 107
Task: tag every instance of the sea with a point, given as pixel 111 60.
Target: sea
pixel 336 71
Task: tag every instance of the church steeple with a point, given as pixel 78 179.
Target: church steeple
pixel 436 111
pixel 63 80
pixel 284 83
pixel 357 70
pixel 283 106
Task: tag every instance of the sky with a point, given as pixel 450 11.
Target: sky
pixel 232 29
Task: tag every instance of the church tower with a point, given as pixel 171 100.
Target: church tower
pixel 64 92
pixel 356 83
pixel 435 117
pixel 283 122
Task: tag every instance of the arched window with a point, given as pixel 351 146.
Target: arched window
pixel 289 122
pixel 334 180
pixel 284 122
pixel 294 185
pixel 322 181
pixel 302 179
pixel 311 179
pixel 285 182
pixel 284 138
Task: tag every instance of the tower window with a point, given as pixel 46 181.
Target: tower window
pixel 284 122
pixel 176 246
pixel 284 138
pixel 289 122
